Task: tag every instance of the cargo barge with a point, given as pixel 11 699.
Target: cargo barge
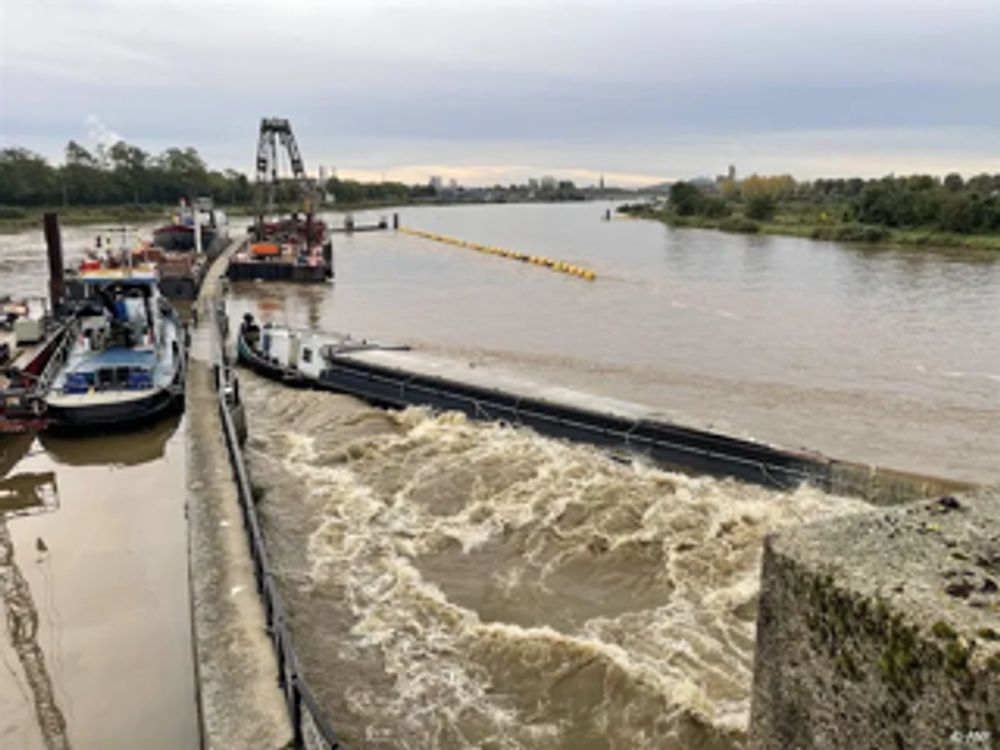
pixel 394 377
pixel 385 376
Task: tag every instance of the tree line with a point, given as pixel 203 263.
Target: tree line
pixel 949 204
pixel 125 174
pixel 117 175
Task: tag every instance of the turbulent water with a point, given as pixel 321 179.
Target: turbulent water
pixel 464 585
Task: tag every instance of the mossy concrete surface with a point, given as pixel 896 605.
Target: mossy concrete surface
pixel 882 630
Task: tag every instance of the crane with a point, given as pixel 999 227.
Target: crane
pixel 275 132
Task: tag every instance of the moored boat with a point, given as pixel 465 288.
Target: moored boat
pixel 32 343
pixel 295 356
pixel 127 363
pixel 182 235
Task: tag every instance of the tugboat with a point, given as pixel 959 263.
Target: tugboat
pixel 127 364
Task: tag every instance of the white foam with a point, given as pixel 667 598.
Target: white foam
pixel 524 515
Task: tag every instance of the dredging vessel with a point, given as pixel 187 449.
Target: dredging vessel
pixel 292 248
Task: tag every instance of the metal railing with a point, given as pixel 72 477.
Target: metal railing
pixel 312 730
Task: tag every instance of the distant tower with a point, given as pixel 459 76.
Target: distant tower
pixel 732 173
pixel 602 183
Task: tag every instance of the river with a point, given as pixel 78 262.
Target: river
pixel 480 586
pixel 877 355
pixel 462 585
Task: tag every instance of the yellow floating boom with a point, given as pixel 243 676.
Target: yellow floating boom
pixel 538 260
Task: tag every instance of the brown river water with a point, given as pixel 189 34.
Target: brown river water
pixel 464 585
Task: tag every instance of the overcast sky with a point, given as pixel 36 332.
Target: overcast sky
pixel 488 91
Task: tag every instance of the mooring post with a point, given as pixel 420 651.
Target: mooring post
pixel 53 243
pixel 395 221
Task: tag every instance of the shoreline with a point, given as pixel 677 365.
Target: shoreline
pixel 861 234
pixel 31 218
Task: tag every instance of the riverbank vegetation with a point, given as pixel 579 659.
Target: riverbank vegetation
pixel 123 183
pixel 912 210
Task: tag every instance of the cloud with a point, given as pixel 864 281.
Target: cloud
pixel 636 87
pixel 99 134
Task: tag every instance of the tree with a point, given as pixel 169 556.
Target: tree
pixel 761 207
pixel 981 183
pixel 78 156
pixel 26 179
pixel 953 182
pixel 685 198
pixel 715 208
pixel 129 166
pixel 83 180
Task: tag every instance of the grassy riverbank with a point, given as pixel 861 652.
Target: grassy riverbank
pixel 20 219
pixel 795 225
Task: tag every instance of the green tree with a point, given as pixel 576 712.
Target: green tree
pixel 26 179
pixel 953 182
pixel 761 207
pixel 685 198
pixel 129 166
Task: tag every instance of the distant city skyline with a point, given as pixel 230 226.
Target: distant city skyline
pixel 495 92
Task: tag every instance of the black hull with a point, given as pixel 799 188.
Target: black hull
pixel 116 417
pixel 182 239
pixel 264 271
pixel 181 287
pixel 253 360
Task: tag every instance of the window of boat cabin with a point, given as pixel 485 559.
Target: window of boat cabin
pixel 105 377
pixel 307 355
pixel 266 343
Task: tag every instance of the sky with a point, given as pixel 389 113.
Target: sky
pixel 484 91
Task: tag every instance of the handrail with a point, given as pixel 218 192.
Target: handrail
pixel 311 728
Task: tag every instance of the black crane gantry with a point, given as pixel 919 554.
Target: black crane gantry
pixel 275 131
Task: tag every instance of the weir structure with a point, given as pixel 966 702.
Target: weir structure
pixel 882 630
pixel 875 630
pixel 225 724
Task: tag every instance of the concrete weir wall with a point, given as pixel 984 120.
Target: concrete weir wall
pixel 240 702
pixel 882 630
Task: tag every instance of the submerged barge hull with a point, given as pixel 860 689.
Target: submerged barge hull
pixel 680 447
